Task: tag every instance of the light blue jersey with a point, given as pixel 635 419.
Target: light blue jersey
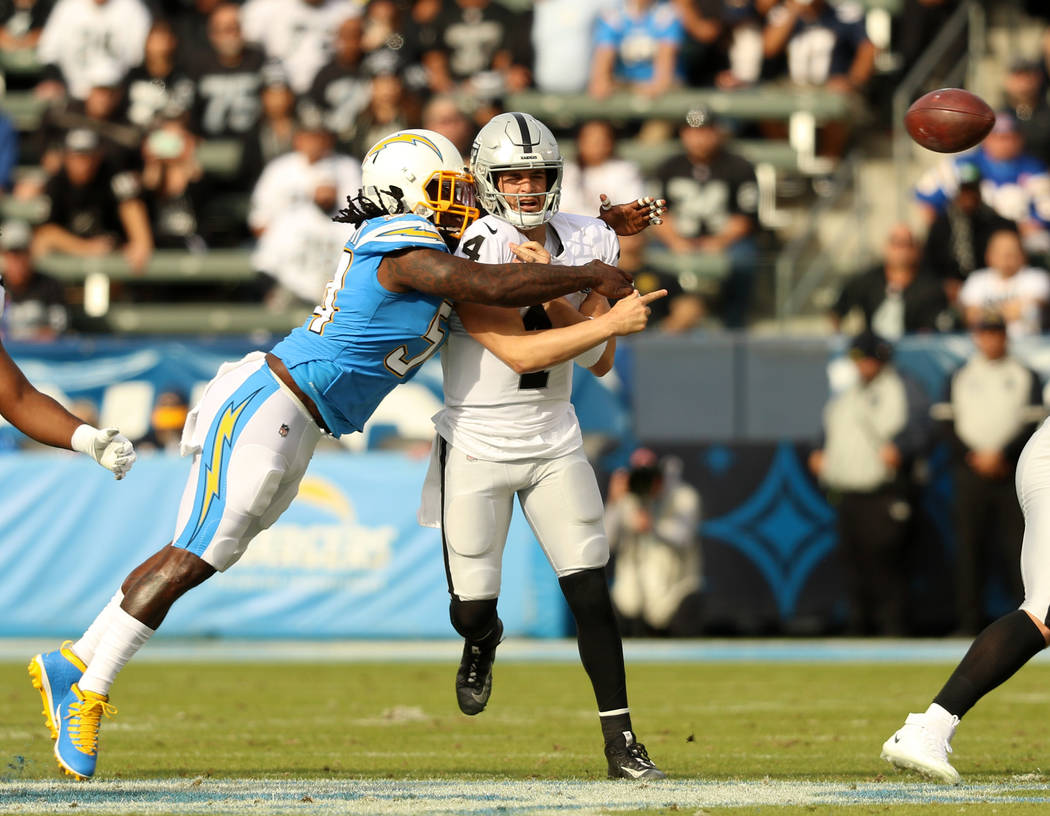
pixel 363 339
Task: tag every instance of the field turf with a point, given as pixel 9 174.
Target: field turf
pixel 780 738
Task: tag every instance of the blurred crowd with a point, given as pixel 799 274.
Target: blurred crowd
pixel 143 95
pixel 188 126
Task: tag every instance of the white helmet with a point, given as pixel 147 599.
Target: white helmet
pixel 515 141
pixel 421 172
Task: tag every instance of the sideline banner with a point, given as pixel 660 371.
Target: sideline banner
pixel 346 560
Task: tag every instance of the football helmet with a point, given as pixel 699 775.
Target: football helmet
pixel 516 141
pixel 421 172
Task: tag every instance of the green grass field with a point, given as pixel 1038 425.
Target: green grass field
pixel 344 726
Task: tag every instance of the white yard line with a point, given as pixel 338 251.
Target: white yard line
pixel 419 797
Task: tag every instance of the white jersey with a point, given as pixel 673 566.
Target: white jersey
pixel 289 179
pixel 83 36
pixel 490 412
pixel 298 247
pixel 297 33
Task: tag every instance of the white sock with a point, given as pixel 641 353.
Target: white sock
pixel 88 643
pixel 123 637
pixel 943 720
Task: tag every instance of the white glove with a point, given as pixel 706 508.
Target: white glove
pixel 108 447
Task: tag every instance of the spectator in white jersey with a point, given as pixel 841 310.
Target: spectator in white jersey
pixel 508 428
pixel 292 178
pixel 299 33
pixel 295 253
pixel 80 33
pixel 1008 285
pixel 873 433
pixel 597 170
pixel 563 41
pixel 993 405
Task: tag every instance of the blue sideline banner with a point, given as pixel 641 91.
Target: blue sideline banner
pixel 97 369
pixel 346 560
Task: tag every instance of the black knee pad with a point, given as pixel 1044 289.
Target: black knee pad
pixel 587 594
pixel 474 620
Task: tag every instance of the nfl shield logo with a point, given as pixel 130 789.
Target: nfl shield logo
pixel 283 430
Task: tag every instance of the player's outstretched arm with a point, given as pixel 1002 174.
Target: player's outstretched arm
pixel 43 419
pixel 502 332
pixel 510 284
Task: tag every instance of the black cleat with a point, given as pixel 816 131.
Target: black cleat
pixel 628 759
pixel 474 678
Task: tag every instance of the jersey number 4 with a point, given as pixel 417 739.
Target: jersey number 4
pixel 535 319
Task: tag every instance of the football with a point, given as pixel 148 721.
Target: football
pixel 949 120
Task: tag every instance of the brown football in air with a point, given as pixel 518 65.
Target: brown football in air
pixel 949 120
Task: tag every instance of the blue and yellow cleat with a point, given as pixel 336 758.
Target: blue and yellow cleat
pixel 53 674
pixel 78 716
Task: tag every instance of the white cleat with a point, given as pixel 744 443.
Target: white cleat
pixel 923 745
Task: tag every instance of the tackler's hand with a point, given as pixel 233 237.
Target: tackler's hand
pixel 632 218
pixel 609 280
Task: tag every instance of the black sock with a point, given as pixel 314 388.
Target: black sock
pixel 601 650
pixel 614 725
pixel 995 656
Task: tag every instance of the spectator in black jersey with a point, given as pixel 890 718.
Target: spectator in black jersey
pixel 713 201
pixel 388 44
pixel 159 82
pixel 893 298
pixel 958 238
pixel 101 111
pixel 274 133
pixel 226 78
pixel 826 45
pixel 94 211
pixel 191 28
pixel 1025 94
pixel 475 38
pixel 342 88
pixel 702 53
pixel 35 304
pixel 174 186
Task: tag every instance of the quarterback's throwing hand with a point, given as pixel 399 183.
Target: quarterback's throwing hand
pixel 107 446
pixel 631 314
